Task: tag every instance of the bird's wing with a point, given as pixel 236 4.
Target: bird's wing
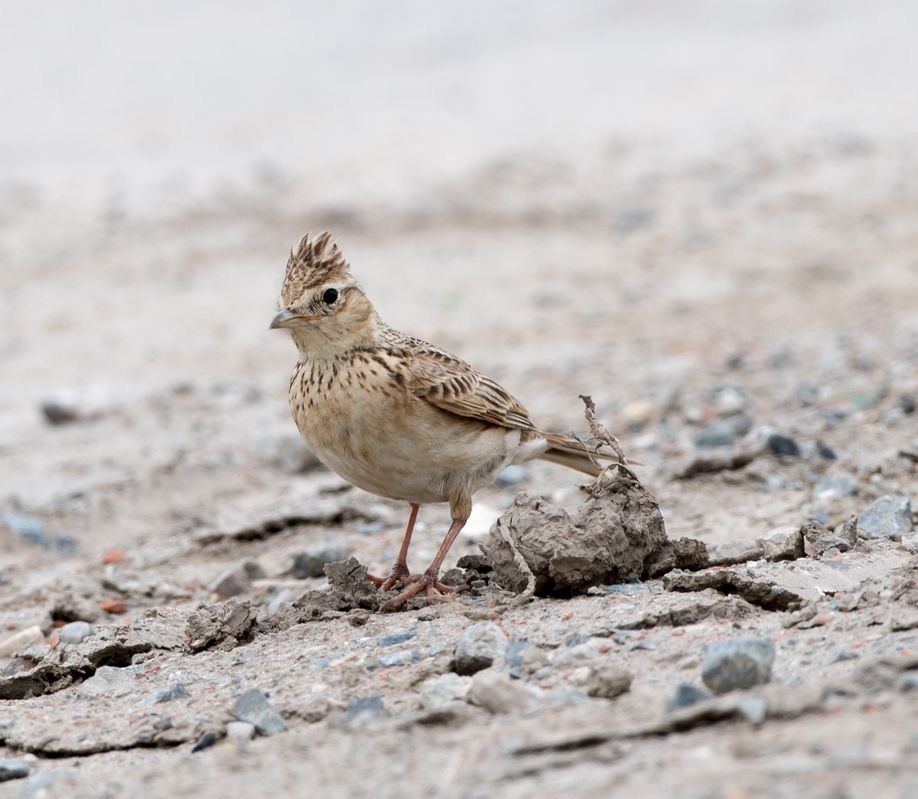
pixel 451 384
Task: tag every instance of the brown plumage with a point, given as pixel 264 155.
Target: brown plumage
pixel 395 415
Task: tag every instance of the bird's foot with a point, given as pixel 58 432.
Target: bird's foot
pixel 426 583
pixel 398 576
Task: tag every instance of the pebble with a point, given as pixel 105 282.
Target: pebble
pixel 400 657
pixel 887 517
pixel 785 543
pixel 782 445
pixel 723 432
pixel 311 562
pixel 438 692
pixel 75 632
pixel 511 476
pixel 207 740
pixel 364 708
pixel 13 769
pixel 497 693
pixel 608 680
pixel 737 663
pixel 238 579
pixel 686 695
pixel 515 657
pixel 730 401
pixel 18 640
pixel 396 638
pixel 170 694
pixel 240 732
pixel 255 708
pixel 479 646
pixel 110 681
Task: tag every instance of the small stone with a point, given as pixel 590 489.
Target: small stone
pixel 497 693
pixel 170 694
pixel 438 692
pixel 514 657
pixel 608 680
pixel 396 638
pixel 824 451
pixel 887 517
pixel 840 655
pixel 238 579
pixel 753 708
pixel 908 403
pixel 686 695
pixel 240 732
pixel 479 646
pixel 783 445
pixel 74 632
pixel 723 433
pixel 737 663
pixel 29 528
pixel 311 562
pixel 110 681
pixel 400 657
pixel 13 769
pixel 785 543
pixel 255 708
pixel 511 476
pixel 207 740
pixel 57 412
pixel 364 708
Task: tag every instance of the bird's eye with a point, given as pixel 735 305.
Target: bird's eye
pixel 330 297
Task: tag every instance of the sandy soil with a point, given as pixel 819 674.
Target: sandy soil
pixel 702 214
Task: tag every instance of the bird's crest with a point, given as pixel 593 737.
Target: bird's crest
pixel 314 261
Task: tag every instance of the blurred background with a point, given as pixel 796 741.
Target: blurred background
pixel 701 212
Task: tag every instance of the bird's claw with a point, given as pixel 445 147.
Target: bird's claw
pixel 398 576
pixel 427 583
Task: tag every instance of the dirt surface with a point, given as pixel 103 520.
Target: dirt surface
pixel 702 214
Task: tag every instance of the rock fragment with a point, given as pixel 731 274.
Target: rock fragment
pixel 737 664
pixel 255 708
pixel 440 691
pixel 13 769
pixel 497 693
pixel 311 562
pixel 240 732
pixel 686 695
pixel 238 579
pixel 886 517
pixel 18 640
pixel 785 543
pixel 608 680
pixel 479 646
pixel 75 632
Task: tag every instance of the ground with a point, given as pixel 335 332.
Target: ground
pixel 704 218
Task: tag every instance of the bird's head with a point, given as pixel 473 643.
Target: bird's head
pixel 320 302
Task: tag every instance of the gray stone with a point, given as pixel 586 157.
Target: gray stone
pixel 13 769
pixel 497 693
pixel 396 638
pixel 311 562
pixel 75 632
pixel 738 663
pixel 723 432
pixel 110 681
pixel 478 647
pixel 887 517
pixel 685 696
pixel 238 579
pixel 835 487
pixel 608 680
pixel 440 691
pixel 364 708
pixel 818 540
pixel 170 694
pixel 400 657
pixel 785 543
pixel 783 445
pixel 240 732
pixel 255 708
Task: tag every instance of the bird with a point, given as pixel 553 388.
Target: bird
pixel 396 416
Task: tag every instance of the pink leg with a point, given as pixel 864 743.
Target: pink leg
pixel 427 581
pixel 400 571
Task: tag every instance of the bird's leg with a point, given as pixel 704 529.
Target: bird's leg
pixel 400 572
pixel 427 581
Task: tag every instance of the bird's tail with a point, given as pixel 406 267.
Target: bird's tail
pixel 588 456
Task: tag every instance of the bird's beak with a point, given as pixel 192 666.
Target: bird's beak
pixel 287 319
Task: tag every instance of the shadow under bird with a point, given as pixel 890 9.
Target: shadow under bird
pixel 394 415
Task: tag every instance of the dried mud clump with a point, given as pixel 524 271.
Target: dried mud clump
pixel 536 546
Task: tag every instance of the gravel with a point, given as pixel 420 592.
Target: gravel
pixel 737 664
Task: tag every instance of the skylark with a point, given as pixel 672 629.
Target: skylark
pixel 394 415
